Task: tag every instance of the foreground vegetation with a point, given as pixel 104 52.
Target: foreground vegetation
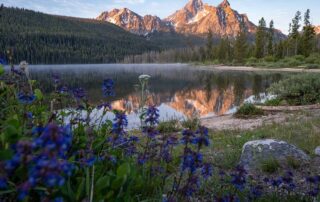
pixel 44 157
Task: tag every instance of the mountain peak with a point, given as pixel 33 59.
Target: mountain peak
pixel 224 4
pixel 194 6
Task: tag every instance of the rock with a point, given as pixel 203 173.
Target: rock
pixel 317 151
pixel 255 153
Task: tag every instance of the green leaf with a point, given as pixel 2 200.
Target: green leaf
pixel 1 69
pixel 102 183
pixel 6 192
pixel 80 189
pixel 5 154
pixel 123 170
pixel 38 94
pixel 87 181
pixel 118 182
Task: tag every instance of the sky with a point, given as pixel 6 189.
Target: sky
pixel 281 11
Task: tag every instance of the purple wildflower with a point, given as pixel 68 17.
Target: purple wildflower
pixel 108 88
pixel 26 98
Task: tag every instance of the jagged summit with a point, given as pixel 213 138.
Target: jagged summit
pixel 134 22
pixel 193 6
pixel 194 18
pixel 225 3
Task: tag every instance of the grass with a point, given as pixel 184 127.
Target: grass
pixel 227 145
pixel 273 102
pixel 248 111
pixel 298 61
pixel 270 166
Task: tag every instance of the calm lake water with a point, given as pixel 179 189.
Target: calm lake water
pixel 178 90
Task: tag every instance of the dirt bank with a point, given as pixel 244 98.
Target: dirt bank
pixel 228 122
pixel 257 69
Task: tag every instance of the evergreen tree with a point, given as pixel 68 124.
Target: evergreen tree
pixel 240 47
pixel 295 35
pixel 260 39
pixel 279 50
pixel 308 37
pixel 271 38
pixel 223 50
pixel 209 47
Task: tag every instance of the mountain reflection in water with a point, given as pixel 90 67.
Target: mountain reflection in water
pixel 180 90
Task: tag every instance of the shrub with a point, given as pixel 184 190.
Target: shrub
pixel 252 61
pixel 312 66
pixel 191 123
pixel 248 110
pixel 298 90
pixel 169 126
pixel 273 102
pixel 269 59
pixel 300 58
pixel 313 59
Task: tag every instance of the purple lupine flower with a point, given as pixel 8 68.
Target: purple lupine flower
pixel 23 190
pixel 191 160
pixel 191 186
pixel 152 116
pixel 276 182
pixel 207 170
pixel 239 178
pixel 314 192
pixel 3 61
pixel 150 131
pixel 3 182
pixel 108 88
pixel 63 90
pixel 79 93
pixel 202 137
pixel 105 105
pixel 26 98
pixel 188 136
pixel 120 123
pixel 45 158
pixel 56 79
pixel 256 191
pixel 16 71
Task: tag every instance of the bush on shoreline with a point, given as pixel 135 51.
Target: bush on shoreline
pixel 248 110
pixel 300 89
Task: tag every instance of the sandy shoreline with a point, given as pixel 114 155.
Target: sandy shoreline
pixel 229 122
pixel 256 69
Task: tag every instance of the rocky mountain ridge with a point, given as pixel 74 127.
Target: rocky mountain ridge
pixel 194 18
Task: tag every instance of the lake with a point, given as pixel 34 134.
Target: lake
pixel 179 90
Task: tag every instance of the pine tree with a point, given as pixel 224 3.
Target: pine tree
pixel 240 48
pixel 209 48
pixel 308 37
pixel 271 38
pixel 295 27
pixel 279 50
pixel 260 39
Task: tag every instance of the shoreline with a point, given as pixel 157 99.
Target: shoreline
pixel 256 69
pixel 272 116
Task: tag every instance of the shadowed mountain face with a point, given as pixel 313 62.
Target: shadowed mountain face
pixel 194 18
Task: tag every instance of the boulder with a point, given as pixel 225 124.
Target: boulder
pixel 255 153
pixel 317 151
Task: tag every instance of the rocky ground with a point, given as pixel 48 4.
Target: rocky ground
pixel 272 115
